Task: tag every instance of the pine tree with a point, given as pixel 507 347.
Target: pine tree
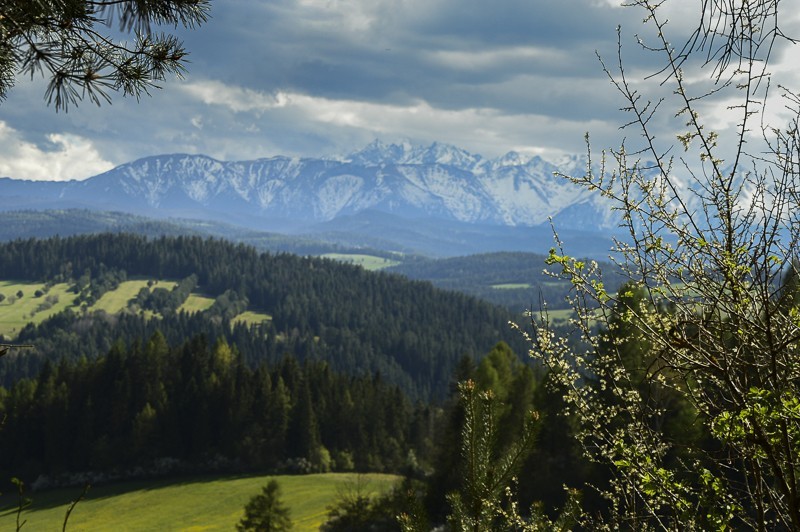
pixel 62 40
pixel 266 512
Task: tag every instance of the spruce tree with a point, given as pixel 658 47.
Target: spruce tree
pixel 266 512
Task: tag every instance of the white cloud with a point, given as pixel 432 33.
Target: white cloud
pixel 483 130
pixel 485 59
pixel 71 157
pixel 237 99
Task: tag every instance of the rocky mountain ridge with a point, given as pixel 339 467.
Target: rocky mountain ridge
pixel 437 181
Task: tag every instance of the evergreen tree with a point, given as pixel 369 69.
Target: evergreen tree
pixel 266 512
pixel 62 40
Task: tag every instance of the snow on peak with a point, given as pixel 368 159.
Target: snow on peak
pixel 512 158
pixel 438 179
pixel 377 153
pixel 439 153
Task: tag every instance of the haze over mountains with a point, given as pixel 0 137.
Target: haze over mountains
pixel 388 196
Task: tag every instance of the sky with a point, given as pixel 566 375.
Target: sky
pixel 314 78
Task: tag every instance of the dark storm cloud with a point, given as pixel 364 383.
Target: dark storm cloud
pixel 385 51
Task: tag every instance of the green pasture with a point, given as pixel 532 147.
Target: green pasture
pixel 554 283
pixel 197 303
pixel 114 301
pixel 561 315
pixel 511 286
pixel 199 504
pixel 368 262
pixel 16 312
pixel 251 317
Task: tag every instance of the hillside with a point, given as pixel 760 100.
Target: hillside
pixel 23 224
pixel 368 231
pixel 206 503
pixel 515 280
pixel 153 373
pixel 360 322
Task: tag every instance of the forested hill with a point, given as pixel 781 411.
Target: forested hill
pixel 361 322
pixel 513 279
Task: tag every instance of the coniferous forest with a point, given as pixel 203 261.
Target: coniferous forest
pixel 359 322
pixel 352 371
pixel 355 370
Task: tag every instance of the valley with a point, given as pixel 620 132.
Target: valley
pixel 310 349
pixel 170 357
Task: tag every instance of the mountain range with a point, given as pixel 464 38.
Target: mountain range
pixel 439 189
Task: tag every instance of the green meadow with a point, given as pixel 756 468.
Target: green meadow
pixel 16 312
pixel 197 504
pixel 511 286
pixel 251 317
pixel 114 301
pixel 560 316
pixel 368 262
pixel 197 303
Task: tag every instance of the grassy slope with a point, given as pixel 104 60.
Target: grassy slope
pixel 114 301
pixel 197 303
pixel 251 317
pixel 193 504
pixel 15 312
pixel 368 262
pixel 15 316
pixel 511 286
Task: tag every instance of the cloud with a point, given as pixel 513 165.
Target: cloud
pixel 389 50
pixel 300 76
pixel 514 60
pixel 68 157
pixel 484 130
pixel 237 99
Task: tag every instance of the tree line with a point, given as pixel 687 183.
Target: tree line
pixel 156 408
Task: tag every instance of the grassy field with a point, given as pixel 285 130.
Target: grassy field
pixel 197 303
pixel 251 317
pixel 116 300
pixel 16 312
pixel 204 504
pixel 560 316
pixel 368 262
pixel 511 286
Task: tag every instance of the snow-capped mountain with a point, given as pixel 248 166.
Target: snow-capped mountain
pixel 436 181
